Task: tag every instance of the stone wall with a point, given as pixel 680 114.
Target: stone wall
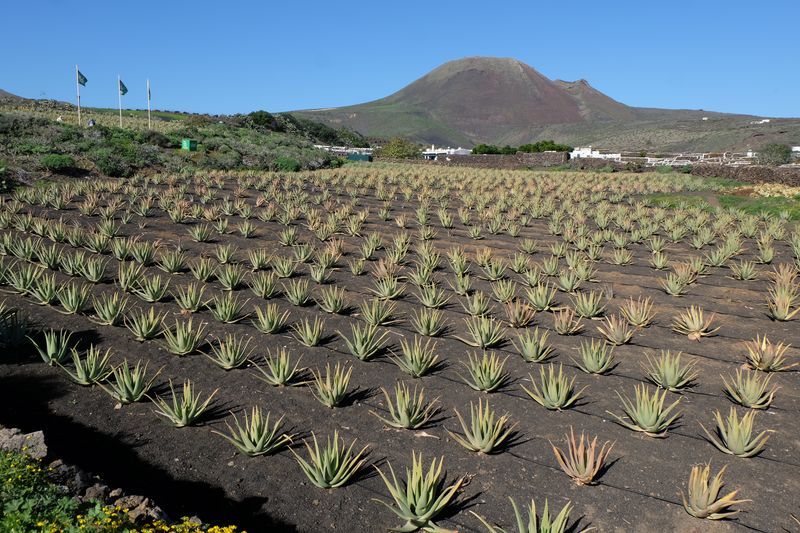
pixel 519 160
pixel 750 173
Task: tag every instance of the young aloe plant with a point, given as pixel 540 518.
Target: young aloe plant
pixel 535 523
pixel 555 391
pixel 616 330
pixel 422 496
pixel 486 372
pixel 365 342
pixel 279 370
pixel 185 409
pixel 230 352
pixel 484 332
pixel 750 389
pixel 333 465
pixel 639 313
pixel 309 333
pixel 703 499
pixel 256 436
pixel 667 372
pixel 735 436
pixel 768 357
pixel 331 389
pixel 91 369
pixel 693 324
pixel 647 413
pixel 409 410
pixel 417 359
pixel 184 338
pixel 144 325
pixel 533 346
pixel 56 346
pixel 485 433
pixel 109 309
pixel 270 320
pixel 129 385
pixel 582 461
pixel 596 357
pixel 227 308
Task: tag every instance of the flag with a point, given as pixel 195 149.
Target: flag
pixel 82 79
pixel 148 89
pixel 122 89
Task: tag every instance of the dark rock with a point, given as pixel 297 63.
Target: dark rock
pixel 98 491
pixel 32 444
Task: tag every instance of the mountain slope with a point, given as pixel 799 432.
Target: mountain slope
pixel 504 101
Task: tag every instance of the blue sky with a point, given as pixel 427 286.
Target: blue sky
pixel 239 56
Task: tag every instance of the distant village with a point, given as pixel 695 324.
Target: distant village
pixel 435 153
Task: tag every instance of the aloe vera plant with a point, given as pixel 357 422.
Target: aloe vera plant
pixel 185 409
pixel 750 389
pixel 582 460
pixel 55 348
pixel 486 372
pixel 279 369
pixel 416 359
pixel 409 409
pixel 483 332
pixel 555 391
pixel 703 495
pixel 230 351
pixel 735 435
pixel 256 436
pixel 422 496
pixel 646 412
pixel 596 357
pixel 365 342
pixel 90 369
pixel 546 523
pixel 533 346
pixel 693 323
pixel 129 385
pixel 331 465
pixel 485 433
pixel 768 357
pixel 331 388
pixel 667 372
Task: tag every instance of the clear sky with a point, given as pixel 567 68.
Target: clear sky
pixel 242 55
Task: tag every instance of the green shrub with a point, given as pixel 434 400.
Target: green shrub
pixel 287 164
pixel 263 119
pixel 57 162
pixel 774 154
pixel 663 169
pixel 399 148
pixel 31 501
pixel 110 164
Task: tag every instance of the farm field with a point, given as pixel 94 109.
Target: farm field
pixel 472 291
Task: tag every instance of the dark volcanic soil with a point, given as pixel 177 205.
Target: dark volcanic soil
pixel 193 471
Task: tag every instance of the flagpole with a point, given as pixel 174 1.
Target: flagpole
pixel 119 96
pixel 148 104
pixel 78 87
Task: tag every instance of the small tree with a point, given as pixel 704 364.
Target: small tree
pixel 774 154
pixel 399 148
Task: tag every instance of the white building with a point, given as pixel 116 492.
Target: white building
pixel 434 153
pixel 588 152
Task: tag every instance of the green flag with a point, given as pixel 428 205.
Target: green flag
pixel 82 79
pixel 122 89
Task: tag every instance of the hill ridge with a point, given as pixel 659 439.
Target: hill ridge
pixel 480 99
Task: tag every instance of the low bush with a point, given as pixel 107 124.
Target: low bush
pixel 57 162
